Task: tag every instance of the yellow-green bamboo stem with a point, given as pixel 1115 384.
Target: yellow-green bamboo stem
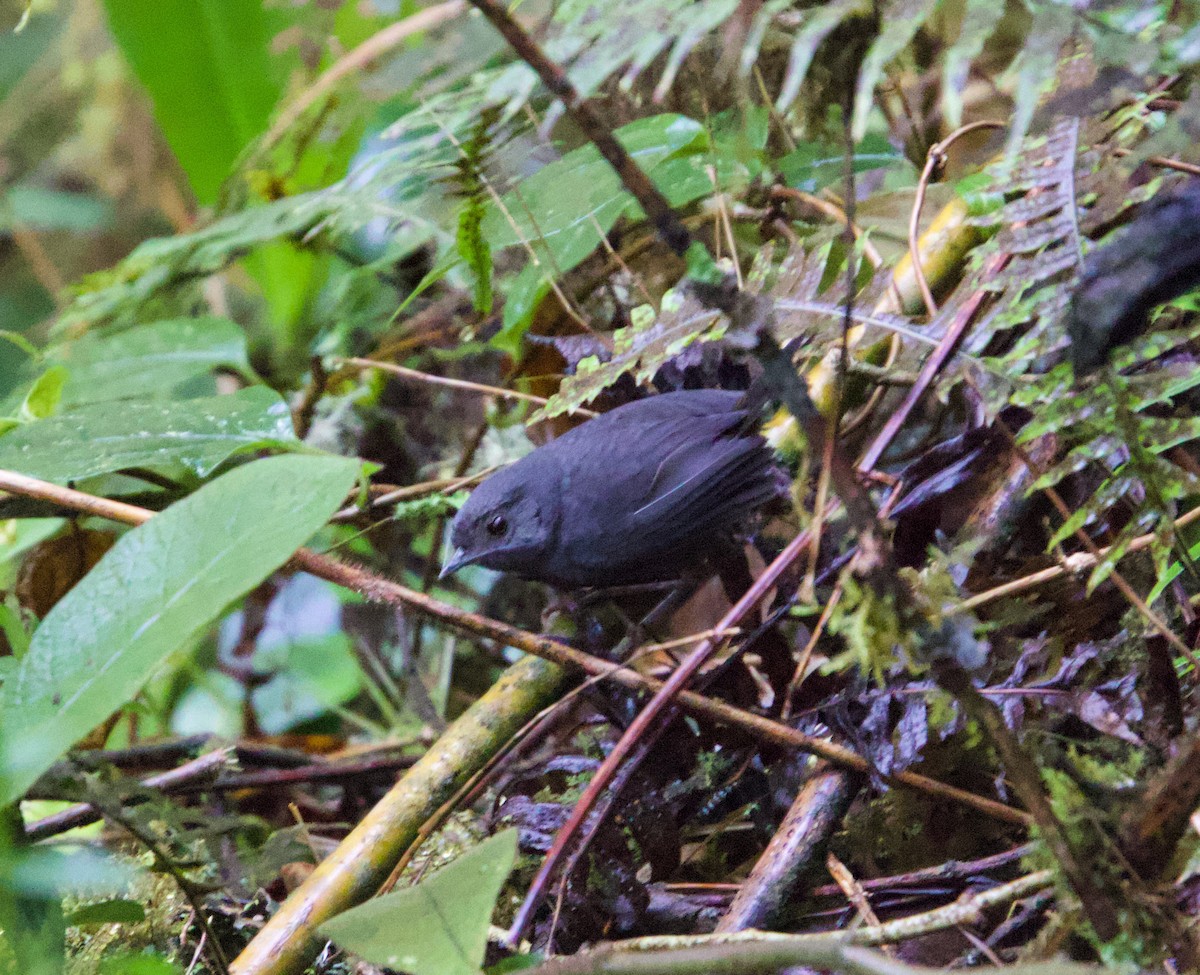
pixel 363 860
pixel 942 249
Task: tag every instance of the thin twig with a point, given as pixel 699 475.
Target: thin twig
pixel 955 330
pixel 82 814
pixel 951 870
pixel 464 384
pixel 853 891
pixel 1164 163
pixel 302 413
pixel 935 160
pixel 443 485
pixel 1076 562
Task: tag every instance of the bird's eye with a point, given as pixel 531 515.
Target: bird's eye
pixel 497 526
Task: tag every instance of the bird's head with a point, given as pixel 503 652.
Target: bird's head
pixel 508 524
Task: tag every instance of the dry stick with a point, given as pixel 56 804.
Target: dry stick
pixel 385 591
pixel 837 214
pixel 950 870
pixel 932 365
pixel 854 893
pixel 302 412
pixel 83 813
pixel 425 377
pixel 333 771
pixel 1165 163
pixel 813 814
pixel 761 951
pixel 802 662
pixel 45 271
pixel 1076 562
pixel 396 495
pixel 145 755
pixel 193 777
pixel 935 159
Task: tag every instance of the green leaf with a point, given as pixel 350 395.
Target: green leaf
pixel 438 927
pixel 289 277
pixel 701 266
pixel 812 166
pixel 115 911
pixel 207 70
pixel 13 629
pixel 157 587
pixel 566 205
pixel 140 964
pixel 44 395
pixel 106 437
pixel 525 293
pixel 44 209
pixel 150 359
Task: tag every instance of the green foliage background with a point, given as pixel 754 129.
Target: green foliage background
pixel 205 205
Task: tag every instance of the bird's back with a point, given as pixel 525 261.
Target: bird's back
pixel 646 487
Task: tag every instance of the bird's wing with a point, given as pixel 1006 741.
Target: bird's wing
pixel 703 488
pixel 710 476
pixel 707 476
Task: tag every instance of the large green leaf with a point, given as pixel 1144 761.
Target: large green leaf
pixel 207 69
pixel 563 210
pixel 106 437
pixel 150 359
pixel 438 927
pixel 569 203
pixel 157 587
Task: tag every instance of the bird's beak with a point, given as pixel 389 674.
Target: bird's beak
pixel 458 558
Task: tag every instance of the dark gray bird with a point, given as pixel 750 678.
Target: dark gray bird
pixel 636 495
